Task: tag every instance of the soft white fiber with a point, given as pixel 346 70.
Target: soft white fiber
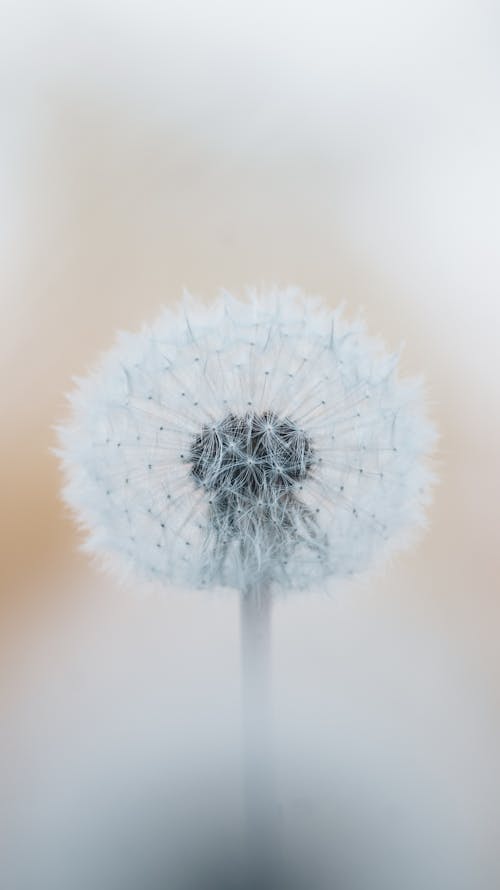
pixel 247 443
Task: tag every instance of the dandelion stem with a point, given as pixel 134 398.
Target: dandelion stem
pixel 255 623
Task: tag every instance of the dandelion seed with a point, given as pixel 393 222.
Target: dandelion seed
pixel 270 438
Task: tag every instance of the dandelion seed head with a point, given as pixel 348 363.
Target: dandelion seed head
pixel 264 441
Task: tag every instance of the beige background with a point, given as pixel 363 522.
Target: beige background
pixel 352 149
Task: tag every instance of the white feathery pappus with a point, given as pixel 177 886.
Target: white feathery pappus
pixel 243 443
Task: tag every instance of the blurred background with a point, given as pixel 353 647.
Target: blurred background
pixel 352 149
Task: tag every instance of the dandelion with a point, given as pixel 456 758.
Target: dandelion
pixel 247 444
pixel 264 445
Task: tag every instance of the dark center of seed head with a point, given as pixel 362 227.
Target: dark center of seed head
pixel 254 454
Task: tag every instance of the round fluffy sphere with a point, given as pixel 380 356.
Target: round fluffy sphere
pixel 246 444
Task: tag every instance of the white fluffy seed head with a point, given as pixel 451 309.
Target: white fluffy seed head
pixel 247 443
